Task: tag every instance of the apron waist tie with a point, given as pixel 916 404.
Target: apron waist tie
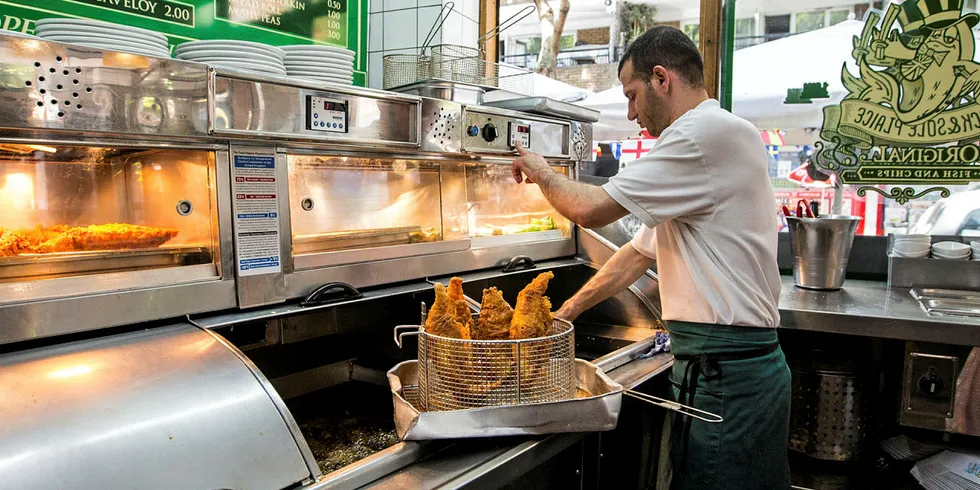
pixel 708 364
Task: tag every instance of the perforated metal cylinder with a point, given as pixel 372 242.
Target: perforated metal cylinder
pixel 829 415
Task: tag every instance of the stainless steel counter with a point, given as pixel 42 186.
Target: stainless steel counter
pixel 871 309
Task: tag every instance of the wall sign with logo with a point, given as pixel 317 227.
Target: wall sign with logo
pixel 911 115
pixel 277 22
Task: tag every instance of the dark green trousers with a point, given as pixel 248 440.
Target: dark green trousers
pixel 742 376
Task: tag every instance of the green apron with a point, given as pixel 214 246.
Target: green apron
pixel 739 373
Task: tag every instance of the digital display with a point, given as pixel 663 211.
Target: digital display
pixel 523 129
pixel 334 106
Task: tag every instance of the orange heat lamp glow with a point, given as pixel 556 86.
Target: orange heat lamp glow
pixel 70 372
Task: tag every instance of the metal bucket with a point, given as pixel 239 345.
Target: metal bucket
pixel 820 248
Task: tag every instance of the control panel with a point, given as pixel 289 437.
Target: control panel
pixel 519 133
pixel 486 131
pixel 326 114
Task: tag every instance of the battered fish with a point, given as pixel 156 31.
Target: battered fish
pixel 495 316
pixel 532 319
pixel 441 319
pixel 461 311
pixel 532 313
pixel 113 236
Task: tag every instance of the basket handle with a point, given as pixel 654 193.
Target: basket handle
pixel 676 407
pixel 316 298
pixel 519 263
pixel 447 9
pixel 507 24
pixel 400 336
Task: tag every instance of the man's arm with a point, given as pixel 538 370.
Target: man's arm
pixel 622 270
pixel 588 205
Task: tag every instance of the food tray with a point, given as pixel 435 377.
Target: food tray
pixel 596 409
pixel 547 107
pixel 341 240
pixel 60 263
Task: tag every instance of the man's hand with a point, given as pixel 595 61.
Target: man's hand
pixel 567 312
pixel 529 164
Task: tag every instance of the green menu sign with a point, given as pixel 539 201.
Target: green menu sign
pixel 277 22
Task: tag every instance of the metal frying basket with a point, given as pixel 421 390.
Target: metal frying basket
pixel 457 374
pixel 405 69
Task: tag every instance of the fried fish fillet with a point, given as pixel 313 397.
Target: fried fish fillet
pixel 460 310
pixel 451 361
pixel 13 243
pixel 495 316
pixel 111 236
pixel 532 312
pixel 532 319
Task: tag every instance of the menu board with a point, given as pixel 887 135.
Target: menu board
pixel 275 22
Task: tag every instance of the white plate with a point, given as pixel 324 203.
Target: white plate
pixel 323 70
pixel 316 47
pixel 233 45
pixel 318 75
pixel 950 247
pixel 326 80
pixel 194 55
pixel 82 30
pixel 109 41
pixel 209 61
pixel 67 38
pixel 17 34
pixel 248 66
pixel 99 23
pixel 321 58
pixel 321 65
pixel 117 46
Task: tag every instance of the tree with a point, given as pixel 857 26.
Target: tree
pixel 552 26
pixel 635 19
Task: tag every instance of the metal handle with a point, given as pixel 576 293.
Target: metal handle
pixel 443 16
pixel 316 297
pixel 401 335
pixel 507 24
pixel 519 263
pixel 676 407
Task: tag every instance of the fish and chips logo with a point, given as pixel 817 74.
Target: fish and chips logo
pixel 911 114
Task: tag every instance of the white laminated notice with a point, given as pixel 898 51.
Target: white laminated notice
pixel 256 208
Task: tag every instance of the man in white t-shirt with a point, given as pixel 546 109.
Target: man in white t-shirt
pixel 704 196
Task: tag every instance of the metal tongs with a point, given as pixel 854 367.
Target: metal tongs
pixel 676 407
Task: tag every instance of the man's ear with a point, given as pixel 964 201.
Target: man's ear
pixel 660 78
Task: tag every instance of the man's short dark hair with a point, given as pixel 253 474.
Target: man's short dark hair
pixel 668 47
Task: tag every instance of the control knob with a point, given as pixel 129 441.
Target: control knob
pixel 489 132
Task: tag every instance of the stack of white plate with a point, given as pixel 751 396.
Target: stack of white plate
pixel 911 246
pixel 975 248
pixel 234 55
pixel 951 251
pixel 320 63
pixel 104 35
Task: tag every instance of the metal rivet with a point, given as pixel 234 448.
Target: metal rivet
pixel 306 204
pixel 184 207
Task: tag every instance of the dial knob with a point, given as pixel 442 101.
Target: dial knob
pixel 489 132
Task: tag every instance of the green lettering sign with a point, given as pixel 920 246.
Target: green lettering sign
pixel 911 114
pixel 276 22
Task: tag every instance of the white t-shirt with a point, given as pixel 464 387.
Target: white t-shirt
pixel 704 196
